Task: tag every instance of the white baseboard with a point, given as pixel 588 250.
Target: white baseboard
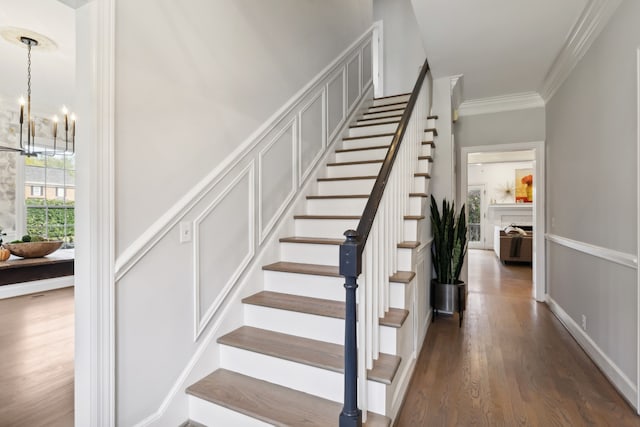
pixel 620 381
pixel 26 288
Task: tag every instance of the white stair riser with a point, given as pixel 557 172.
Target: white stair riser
pixel 351 186
pixel 391 100
pixel 398 296
pixel 428 136
pixel 424 166
pixel 367 142
pixel 354 156
pixel 373 120
pixel 331 228
pixel 431 123
pixel 404 259
pixel 394 112
pixel 410 229
pixel 373 130
pixel 306 285
pixel 364 169
pixel 327 329
pixel 421 184
pixel 308 379
pixel 309 253
pixel 415 205
pixel 336 206
pixel 210 414
pixel 426 150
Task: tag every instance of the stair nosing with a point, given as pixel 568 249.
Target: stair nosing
pixel 388 105
pixel 422 174
pixel 431 143
pixel 398 116
pixel 434 130
pixel 347 178
pixel 383 111
pixel 379 135
pixel 338 196
pixel 392 96
pixel 355 162
pixel 409 244
pixel 356 126
pixel 429 158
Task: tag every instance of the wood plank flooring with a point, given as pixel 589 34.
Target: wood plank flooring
pixel 511 364
pixel 36 360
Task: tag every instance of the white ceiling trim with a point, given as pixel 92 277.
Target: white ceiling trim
pixel 593 19
pixel 497 104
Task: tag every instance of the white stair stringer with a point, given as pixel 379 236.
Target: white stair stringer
pixel 336 206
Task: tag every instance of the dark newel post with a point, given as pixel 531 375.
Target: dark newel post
pixel 350 268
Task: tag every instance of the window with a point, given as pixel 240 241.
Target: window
pixel 36 191
pixel 50 207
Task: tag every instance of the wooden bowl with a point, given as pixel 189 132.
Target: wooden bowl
pixel 33 249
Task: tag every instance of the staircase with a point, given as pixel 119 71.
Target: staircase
pixel 284 366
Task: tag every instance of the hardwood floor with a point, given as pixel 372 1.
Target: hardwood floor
pixel 511 364
pixel 36 360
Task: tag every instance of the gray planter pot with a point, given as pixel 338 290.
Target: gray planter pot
pixel 448 298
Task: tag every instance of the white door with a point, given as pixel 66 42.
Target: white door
pixel 476 216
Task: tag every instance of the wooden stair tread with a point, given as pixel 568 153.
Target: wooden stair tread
pixel 347 178
pixel 425 158
pixel 355 162
pixel 422 174
pixel 310 352
pixel 392 96
pixel 377 135
pixel 402 277
pixel 390 122
pixel 434 130
pixel 373 147
pixel 418 217
pixel 394 318
pixel 384 111
pixel 326 217
pixel 339 196
pixel 431 143
pixel 432 117
pixel 271 403
pixel 388 105
pixel 312 240
pixel 301 268
pixel 327 241
pixel 418 195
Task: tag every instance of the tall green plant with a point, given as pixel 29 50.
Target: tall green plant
pixel 449 241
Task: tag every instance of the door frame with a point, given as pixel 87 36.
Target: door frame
pixel 483 215
pixel 94 362
pixel 539 289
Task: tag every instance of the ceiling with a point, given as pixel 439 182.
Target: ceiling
pixel 500 46
pixel 53 72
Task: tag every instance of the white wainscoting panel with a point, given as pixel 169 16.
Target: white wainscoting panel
pixel 336 102
pixel 353 80
pixel 223 245
pixel 276 177
pixel 313 135
pixel 366 65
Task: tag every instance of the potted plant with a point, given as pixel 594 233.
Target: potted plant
pixel 449 247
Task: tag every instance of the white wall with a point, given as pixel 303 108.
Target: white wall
pixel 194 80
pixel 404 53
pixel 592 193
pixel 443 174
pixel 222 71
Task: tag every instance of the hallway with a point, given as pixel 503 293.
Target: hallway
pixel 512 363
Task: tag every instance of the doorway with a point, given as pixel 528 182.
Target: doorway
pixel 476 208
pixel 503 198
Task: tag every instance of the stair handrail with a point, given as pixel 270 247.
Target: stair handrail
pixel 351 251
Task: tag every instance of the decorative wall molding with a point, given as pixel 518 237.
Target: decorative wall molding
pixel 354 62
pixel 303 174
pixel 262 228
pixel 152 235
pixel 619 380
pixel 342 75
pixel 593 19
pixel 622 258
pixel 202 320
pixel 497 104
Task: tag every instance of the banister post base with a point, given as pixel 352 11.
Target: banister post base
pixel 350 419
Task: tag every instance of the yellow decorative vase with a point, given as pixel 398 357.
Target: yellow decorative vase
pixel 530 193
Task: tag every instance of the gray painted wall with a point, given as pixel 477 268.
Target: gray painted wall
pixel 194 79
pixel 404 53
pixel 501 128
pixel 591 194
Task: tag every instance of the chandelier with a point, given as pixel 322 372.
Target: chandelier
pixel 27 146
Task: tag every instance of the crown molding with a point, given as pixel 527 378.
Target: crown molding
pixel 496 104
pixel 593 19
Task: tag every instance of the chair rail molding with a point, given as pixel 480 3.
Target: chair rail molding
pixel 592 20
pixel 622 258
